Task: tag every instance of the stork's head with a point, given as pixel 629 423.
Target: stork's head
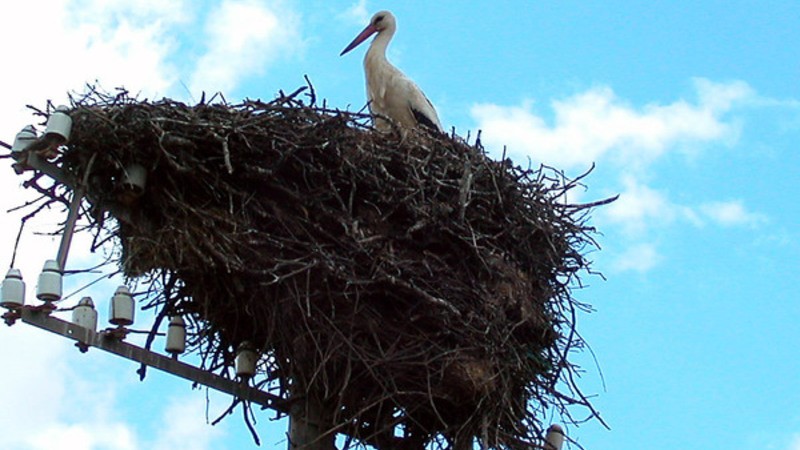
pixel 382 21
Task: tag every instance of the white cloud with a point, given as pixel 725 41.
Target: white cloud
pixel 27 384
pixel 357 14
pixel 60 45
pixel 244 36
pixel 49 403
pixel 640 209
pixel 731 213
pixel 83 436
pixel 186 426
pixel 596 124
pixel 722 97
pixel 57 46
pixel 795 445
pixel 637 258
pixel 107 12
pixel 639 205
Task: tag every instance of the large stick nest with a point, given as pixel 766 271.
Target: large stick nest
pixel 415 288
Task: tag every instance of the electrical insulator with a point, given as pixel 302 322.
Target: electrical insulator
pixel 555 437
pixel 84 315
pixel 23 139
pixel 122 307
pixel 176 336
pixel 133 182
pixel 246 359
pixel 59 125
pixel 49 287
pixel 13 290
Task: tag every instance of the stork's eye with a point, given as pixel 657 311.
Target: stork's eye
pixel 378 19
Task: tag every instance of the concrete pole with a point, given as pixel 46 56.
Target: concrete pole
pixel 308 421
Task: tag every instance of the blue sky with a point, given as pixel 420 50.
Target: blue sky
pixel 689 109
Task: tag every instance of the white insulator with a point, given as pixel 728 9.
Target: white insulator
pixel 84 315
pixel 24 138
pixel 59 124
pixel 246 360
pixel 176 336
pixel 555 437
pixel 134 178
pixel 50 281
pixel 122 307
pixel 13 290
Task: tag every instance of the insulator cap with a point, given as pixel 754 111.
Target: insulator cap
pixel 176 336
pixel 122 307
pixel 24 138
pixel 555 438
pixel 50 282
pixel 84 315
pixel 13 290
pixel 59 124
pixel 134 178
pixel 246 360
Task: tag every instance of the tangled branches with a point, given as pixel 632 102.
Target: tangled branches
pixel 413 289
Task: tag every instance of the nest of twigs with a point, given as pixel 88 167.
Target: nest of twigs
pixel 414 288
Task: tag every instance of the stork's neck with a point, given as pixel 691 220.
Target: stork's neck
pixel 377 49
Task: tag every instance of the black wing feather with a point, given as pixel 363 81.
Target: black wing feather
pixel 422 119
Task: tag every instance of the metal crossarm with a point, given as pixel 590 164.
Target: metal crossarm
pixel 111 343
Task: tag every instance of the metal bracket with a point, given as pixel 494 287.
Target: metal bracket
pixel 36 162
pixel 69 227
pixel 111 343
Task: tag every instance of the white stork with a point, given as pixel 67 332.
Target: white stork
pixel 389 91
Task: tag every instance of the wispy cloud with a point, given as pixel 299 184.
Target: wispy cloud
pixel 187 427
pixel 638 206
pixel 146 46
pixel 641 208
pixel 36 414
pixel 640 212
pixel 731 213
pixel 637 258
pixel 34 393
pixel 795 444
pixel 356 14
pixel 244 36
pixel 596 124
pixel 111 42
pixel 83 436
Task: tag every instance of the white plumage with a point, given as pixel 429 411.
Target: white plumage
pixel 389 91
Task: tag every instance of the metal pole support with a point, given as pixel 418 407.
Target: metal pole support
pixel 112 344
pixel 69 227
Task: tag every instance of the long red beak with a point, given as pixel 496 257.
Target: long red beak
pixel 369 31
